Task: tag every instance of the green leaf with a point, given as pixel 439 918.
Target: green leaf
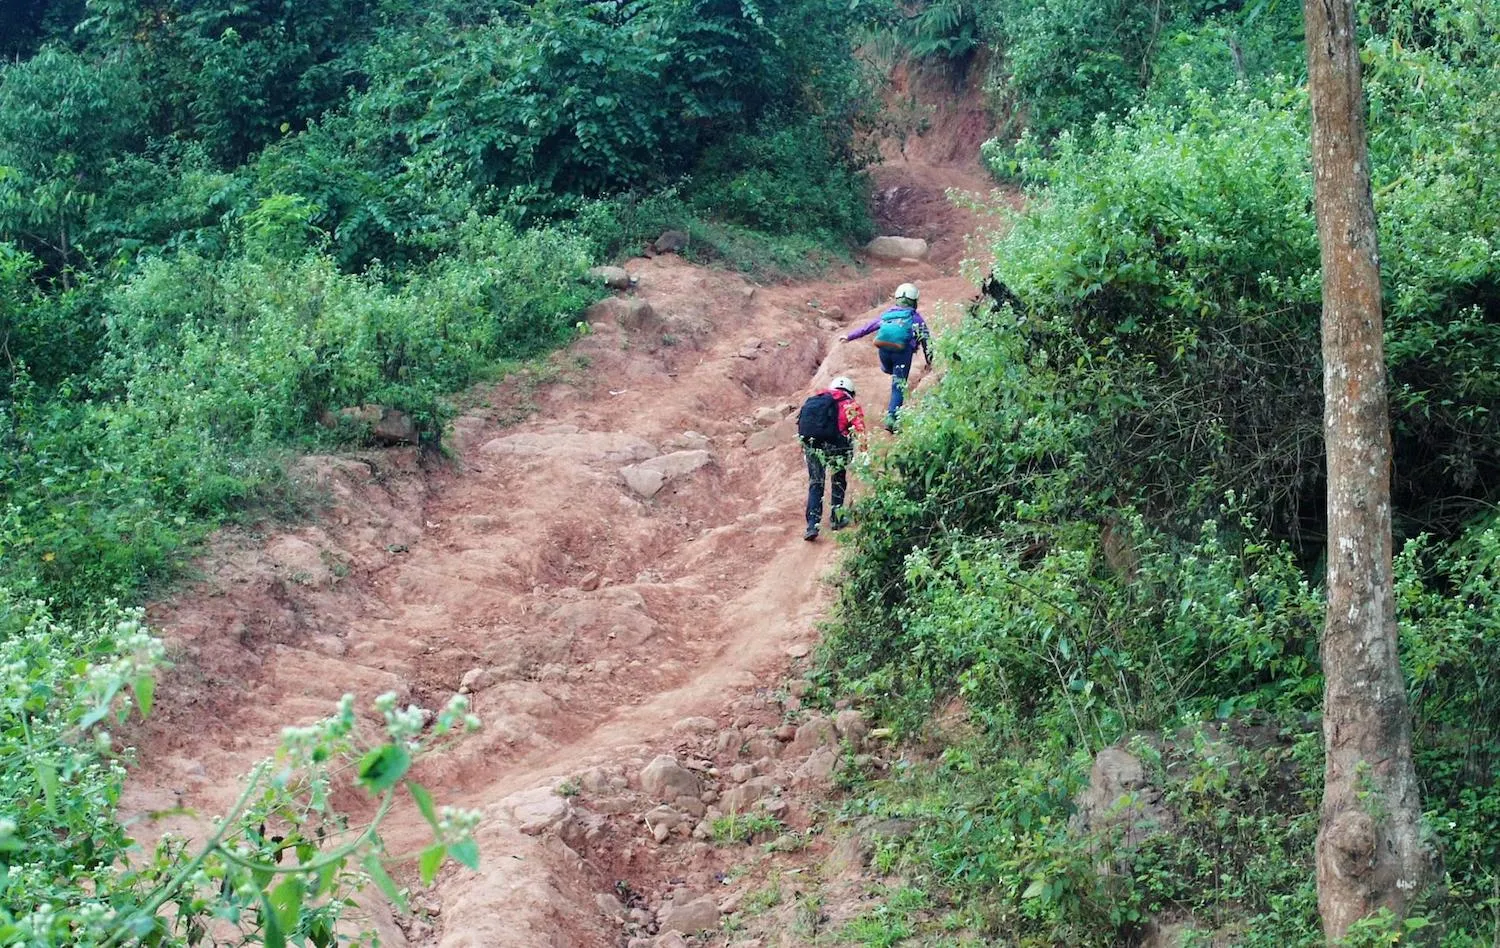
pixel 424 803
pixel 145 691
pixel 383 879
pixel 1037 887
pixel 271 933
pixel 328 876
pixel 382 767
pixel 432 857
pixel 286 900
pixel 46 775
pixel 466 852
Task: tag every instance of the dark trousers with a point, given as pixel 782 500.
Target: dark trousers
pixel 826 457
pixel 897 364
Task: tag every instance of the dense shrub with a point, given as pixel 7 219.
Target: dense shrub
pixel 1104 524
pixel 280 867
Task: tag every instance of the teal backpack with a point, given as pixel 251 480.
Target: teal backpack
pixel 896 328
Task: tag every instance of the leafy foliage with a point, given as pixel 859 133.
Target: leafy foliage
pixel 222 223
pixel 1103 526
pixel 280 867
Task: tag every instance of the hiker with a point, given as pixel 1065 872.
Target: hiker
pixel 899 332
pixel 826 425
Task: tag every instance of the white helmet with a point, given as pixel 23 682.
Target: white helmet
pixel 907 292
pixel 843 384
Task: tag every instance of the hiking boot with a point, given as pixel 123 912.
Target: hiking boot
pixel 811 533
pixel 839 524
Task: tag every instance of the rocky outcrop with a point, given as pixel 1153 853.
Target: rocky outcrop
pixel 897 248
pixel 649 477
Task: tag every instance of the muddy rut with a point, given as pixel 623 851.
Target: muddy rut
pixel 593 625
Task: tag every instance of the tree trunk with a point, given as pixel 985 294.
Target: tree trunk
pixel 1370 852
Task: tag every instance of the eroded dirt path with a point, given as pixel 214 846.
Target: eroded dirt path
pixel 594 627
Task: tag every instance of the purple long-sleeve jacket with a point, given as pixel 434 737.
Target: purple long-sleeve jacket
pixel 920 332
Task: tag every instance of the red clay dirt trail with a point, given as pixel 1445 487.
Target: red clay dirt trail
pixel 590 621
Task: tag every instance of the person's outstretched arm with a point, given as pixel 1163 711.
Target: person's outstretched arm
pixel 865 330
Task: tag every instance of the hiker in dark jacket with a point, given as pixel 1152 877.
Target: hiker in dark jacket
pixel 899 332
pixel 826 426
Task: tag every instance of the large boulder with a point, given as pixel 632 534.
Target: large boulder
pixel 616 278
pixel 1120 794
pixel 567 442
pixel 625 312
pixel 665 779
pixel 650 476
pixel 897 248
pixel 688 914
pixel 672 241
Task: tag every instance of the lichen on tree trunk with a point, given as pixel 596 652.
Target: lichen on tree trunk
pixel 1370 852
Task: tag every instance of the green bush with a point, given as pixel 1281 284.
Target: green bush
pixel 785 180
pixel 281 866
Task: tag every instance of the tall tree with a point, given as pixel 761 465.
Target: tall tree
pixel 1370 852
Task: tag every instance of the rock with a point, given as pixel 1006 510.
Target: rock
pixel 671 940
pixel 672 241
pixel 1120 794
pixel 299 561
pixel 610 906
pixel 539 810
pixel 818 769
pixel 739 773
pixel 798 687
pixel 758 747
pixel 729 741
pixel 741 798
pixel 660 832
pixel 590 581
pixel 1172 935
pixel 626 312
pixel 747 293
pixel 477 679
pixel 566 442
pixel 664 815
pixel 786 732
pixel 689 913
pixel 696 725
pixel 693 439
pixel 644 482
pixel 394 427
pixel 649 476
pixel 851 726
pixel 665 779
pixel 767 416
pixel 768 438
pixel 814 733
pixel 798 650
pixel 891 829
pixel 848 856
pixel 897 248
pixel 613 277
pixel 363 415
pixel 777 808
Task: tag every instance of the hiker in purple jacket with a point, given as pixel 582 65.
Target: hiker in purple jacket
pixel 899 332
